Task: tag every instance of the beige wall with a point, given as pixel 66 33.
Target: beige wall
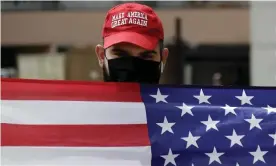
pixel 199 26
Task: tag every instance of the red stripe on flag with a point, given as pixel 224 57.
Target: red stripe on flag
pixel 25 89
pixel 74 135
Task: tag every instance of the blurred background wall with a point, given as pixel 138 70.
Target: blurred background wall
pixel 263 43
pixel 84 27
pixel 210 43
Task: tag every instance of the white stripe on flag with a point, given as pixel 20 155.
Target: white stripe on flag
pixel 77 156
pixel 72 112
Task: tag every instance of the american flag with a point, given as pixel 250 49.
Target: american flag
pixel 102 124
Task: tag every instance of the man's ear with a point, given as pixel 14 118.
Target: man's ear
pixel 165 54
pixel 99 49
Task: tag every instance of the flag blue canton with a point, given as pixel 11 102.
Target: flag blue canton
pixel 211 126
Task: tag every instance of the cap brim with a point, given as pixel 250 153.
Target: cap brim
pixel 146 42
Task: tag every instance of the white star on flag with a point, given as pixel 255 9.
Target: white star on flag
pixel 210 123
pixel 166 126
pixel 229 109
pixel 159 97
pixel 270 109
pixel 273 136
pixel 254 122
pixel 170 158
pixel 245 99
pixel 185 109
pixel 191 140
pixel 214 156
pixel 235 139
pixel 202 98
pixel 258 155
pixel 237 164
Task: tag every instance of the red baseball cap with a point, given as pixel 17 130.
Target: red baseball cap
pixel 132 23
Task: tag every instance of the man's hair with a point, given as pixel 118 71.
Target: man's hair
pixel 161 46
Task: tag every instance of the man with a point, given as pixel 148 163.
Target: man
pixel 132 48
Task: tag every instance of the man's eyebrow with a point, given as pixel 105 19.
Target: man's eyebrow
pixel 118 50
pixel 148 52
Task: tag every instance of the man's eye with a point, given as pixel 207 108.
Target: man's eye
pixel 121 54
pixel 147 56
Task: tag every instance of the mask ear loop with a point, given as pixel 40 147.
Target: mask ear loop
pixel 105 54
pixel 162 66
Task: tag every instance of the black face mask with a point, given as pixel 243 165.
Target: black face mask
pixel 132 69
